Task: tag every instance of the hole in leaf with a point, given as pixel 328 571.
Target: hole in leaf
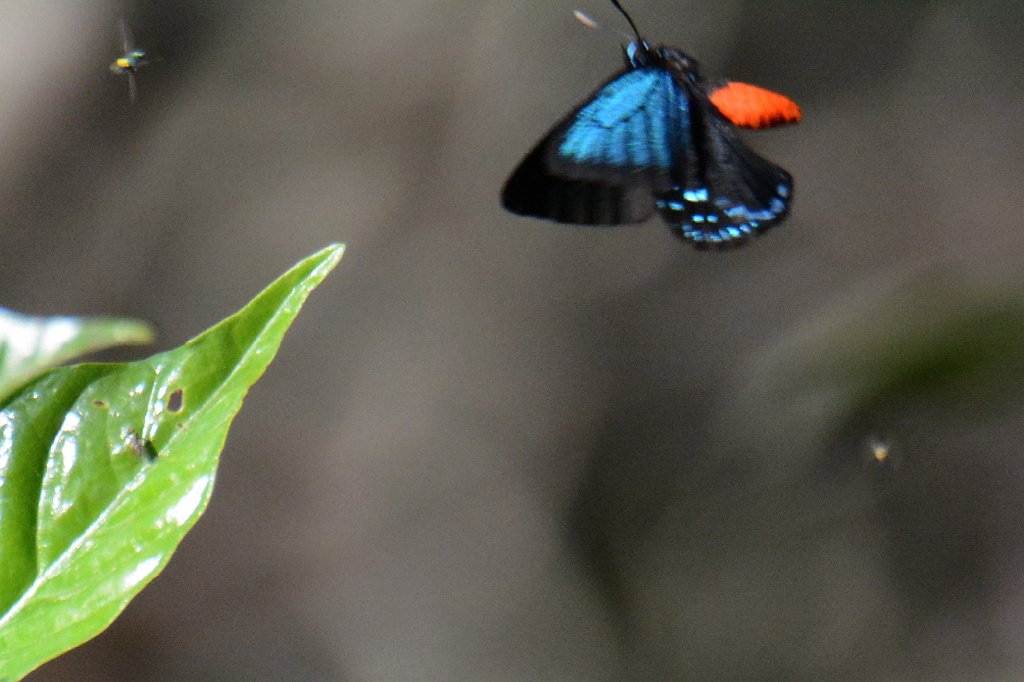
pixel 176 400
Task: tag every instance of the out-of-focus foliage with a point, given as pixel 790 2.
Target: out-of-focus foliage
pixel 31 345
pixel 934 341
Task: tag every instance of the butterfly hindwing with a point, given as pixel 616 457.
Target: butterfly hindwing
pixel 736 194
pixel 602 163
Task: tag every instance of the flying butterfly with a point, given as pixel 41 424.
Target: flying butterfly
pixel 130 61
pixel 659 137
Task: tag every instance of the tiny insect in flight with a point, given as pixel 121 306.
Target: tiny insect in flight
pixel 659 137
pixel 881 452
pixel 130 61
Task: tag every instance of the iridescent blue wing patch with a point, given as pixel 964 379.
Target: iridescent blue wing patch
pixel 735 194
pixel 634 123
pixel 600 165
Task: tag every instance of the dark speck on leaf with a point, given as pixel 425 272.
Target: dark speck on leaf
pixel 142 447
pixel 176 401
pixel 99 403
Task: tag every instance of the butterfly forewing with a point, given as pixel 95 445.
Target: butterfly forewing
pixel 628 131
pixel 533 190
pixel 601 163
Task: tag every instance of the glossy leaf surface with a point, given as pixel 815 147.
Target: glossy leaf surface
pixel 105 467
pixel 31 345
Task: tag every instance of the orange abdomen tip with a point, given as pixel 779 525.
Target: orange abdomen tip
pixel 752 107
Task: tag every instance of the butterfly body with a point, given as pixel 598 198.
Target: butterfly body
pixel 657 137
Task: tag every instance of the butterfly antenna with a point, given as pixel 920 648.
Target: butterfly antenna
pixel 589 22
pixel 585 20
pixel 628 18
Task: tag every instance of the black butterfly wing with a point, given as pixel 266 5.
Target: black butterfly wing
pixel 535 190
pixel 603 162
pixel 731 194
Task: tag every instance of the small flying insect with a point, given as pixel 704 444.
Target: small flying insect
pixel 881 452
pixel 129 62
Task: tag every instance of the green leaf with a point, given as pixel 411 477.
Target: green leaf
pixel 105 467
pixel 31 345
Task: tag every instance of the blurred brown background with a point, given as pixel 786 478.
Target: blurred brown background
pixel 501 449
